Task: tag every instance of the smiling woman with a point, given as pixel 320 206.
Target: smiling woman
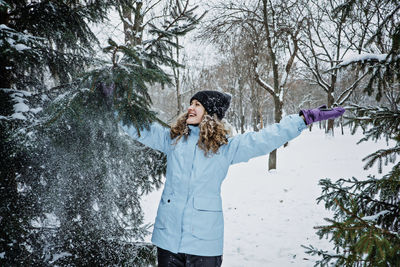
pixel 189 226
pixel 195 113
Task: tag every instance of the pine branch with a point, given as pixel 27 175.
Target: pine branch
pixel 386 122
pixel 357 186
pixel 388 154
pixel 326 257
pixel 165 31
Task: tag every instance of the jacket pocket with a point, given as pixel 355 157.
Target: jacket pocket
pixel 208 220
pixel 163 212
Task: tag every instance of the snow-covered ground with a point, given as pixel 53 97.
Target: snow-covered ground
pixel 269 215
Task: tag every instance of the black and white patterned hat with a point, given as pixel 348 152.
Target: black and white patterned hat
pixel 214 102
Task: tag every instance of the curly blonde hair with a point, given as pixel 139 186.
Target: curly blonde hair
pixel 213 132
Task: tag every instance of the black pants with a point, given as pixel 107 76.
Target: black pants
pixel 168 259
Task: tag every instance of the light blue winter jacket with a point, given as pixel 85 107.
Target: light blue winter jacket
pixel 189 217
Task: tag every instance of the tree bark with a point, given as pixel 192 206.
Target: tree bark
pixel 330 123
pixel 132 29
pixel 178 80
pixel 278 116
pixel 241 112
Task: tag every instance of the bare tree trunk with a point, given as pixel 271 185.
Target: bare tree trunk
pixel 278 117
pixel 341 126
pixel 275 72
pixel 132 29
pixel 272 33
pixel 137 25
pixel 260 116
pixel 177 80
pixel 241 112
pixel 278 86
pixel 330 124
pixel 254 115
pixel 127 22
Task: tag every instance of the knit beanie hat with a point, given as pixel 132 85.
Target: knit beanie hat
pixel 214 102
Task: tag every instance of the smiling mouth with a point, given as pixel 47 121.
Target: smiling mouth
pixel 192 115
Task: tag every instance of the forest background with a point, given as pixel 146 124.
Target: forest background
pixel 71 181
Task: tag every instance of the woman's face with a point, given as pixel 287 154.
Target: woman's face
pixel 195 112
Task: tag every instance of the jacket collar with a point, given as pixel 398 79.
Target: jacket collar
pixel 194 129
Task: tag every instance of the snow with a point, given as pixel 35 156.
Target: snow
pixel 266 85
pixel 36 110
pixel 95 206
pixel 2 255
pixel 59 256
pixel 5 27
pixel 375 216
pixel 269 215
pixel 18 116
pixel 22 187
pixel 21 47
pixel 17 92
pixel 362 57
pixel 60 97
pixel 77 218
pixel 51 221
pixel 284 79
pixel 21 107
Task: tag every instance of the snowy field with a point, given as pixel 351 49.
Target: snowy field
pixel 269 215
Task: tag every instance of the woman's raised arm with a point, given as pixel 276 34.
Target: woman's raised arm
pixel 249 145
pixel 156 136
pixel 245 146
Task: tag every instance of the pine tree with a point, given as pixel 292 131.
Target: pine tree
pixel 90 186
pixel 72 181
pixel 38 39
pixel 365 228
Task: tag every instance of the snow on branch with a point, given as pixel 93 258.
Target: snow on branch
pixel 362 58
pixel 284 79
pixel 263 83
pixel 375 216
pixel 266 85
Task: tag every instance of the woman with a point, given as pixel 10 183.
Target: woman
pixel 188 230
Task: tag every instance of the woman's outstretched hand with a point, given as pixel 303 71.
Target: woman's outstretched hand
pixel 321 113
pixel 106 91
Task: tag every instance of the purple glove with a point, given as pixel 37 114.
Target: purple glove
pixel 321 113
pixel 107 91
